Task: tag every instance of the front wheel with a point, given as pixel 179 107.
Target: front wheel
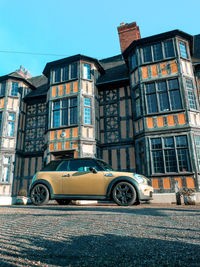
pixel 63 201
pixel 39 195
pixel 124 194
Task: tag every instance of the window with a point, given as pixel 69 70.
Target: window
pixel 163 96
pixel 64 111
pixel 183 49
pixel 197 143
pixel 2 88
pixel 169 49
pixel 140 157
pixel 191 94
pixel 83 165
pixel 11 124
pixel 1 113
pixel 86 71
pixel 170 154
pixel 158 51
pixel 14 89
pixel 6 169
pixel 87 111
pixel 66 73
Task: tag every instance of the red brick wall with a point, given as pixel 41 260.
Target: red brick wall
pixel 128 33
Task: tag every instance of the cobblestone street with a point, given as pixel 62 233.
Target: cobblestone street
pixel 103 235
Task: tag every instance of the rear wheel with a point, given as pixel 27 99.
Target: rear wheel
pixel 39 195
pixel 63 201
pixel 124 194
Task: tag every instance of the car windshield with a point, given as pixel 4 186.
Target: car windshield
pixel 104 165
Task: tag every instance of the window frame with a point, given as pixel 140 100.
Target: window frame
pixel 64 77
pixel 62 108
pixel 2 89
pixel 88 72
pixel 176 148
pixel 13 90
pixel 191 90
pixel 180 41
pixel 158 92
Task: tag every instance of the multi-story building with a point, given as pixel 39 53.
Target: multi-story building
pixel 139 111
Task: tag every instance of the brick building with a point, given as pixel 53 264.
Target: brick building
pixel 139 111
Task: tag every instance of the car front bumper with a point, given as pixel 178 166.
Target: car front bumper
pixel 146 192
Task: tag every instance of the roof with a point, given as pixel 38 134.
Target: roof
pixel 157 37
pixel 15 75
pixel 115 70
pixel 41 84
pixel 69 60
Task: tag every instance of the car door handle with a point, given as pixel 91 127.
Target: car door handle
pixel 66 175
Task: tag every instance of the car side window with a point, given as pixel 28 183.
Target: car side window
pixel 63 166
pixel 82 165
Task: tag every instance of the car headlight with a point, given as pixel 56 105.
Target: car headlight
pixel 139 178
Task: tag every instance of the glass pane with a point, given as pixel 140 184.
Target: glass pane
pixel 162 86
pixel 173 84
pixel 133 61
pixel 183 50
pixel 150 88
pixel 169 49
pixel 157 51
pixel 198 156
pixel 56 118
pixel 189 84
pixel 147 56
pixel 2 88
pixel 11 116
pixel 138 107
pixel 57 75
pixel 56 105
pixel 183 160
pixel 64 117
pixel 156 143
pixel 65 76
pixel 6 174
pixel 169 142
pixel 10 129
pixel 87 102
pixel 197 140
pixel 73 101
pixel 175 100
pixel 181 141
pixel 14 89
pixel 74 71
pixel 7 160
pixel 63 166
pixel 65 103
pixel 164 102
pixel 73 115
pixel 158 164
pixel 152 103
pixel 170 160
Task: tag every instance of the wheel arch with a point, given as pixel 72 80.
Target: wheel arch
pixel 44 182
pixel 122 179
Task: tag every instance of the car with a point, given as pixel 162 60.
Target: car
pixel 88 179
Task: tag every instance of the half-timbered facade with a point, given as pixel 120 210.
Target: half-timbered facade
pixel 139 111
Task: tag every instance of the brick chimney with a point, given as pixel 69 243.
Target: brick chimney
pixel 128 33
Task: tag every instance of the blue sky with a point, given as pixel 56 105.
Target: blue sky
pixel 89 27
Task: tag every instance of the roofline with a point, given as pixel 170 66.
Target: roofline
pixel 112 81
pixel 8 76
pixel 156 38
pixel 71 59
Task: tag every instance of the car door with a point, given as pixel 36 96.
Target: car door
pixel 79 180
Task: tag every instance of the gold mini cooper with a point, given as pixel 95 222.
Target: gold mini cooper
pixel 88 179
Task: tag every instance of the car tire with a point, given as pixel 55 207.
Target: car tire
pixel 63 201
pixel 124 194
pixel 39 195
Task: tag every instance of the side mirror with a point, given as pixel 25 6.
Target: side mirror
pixel 93 170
